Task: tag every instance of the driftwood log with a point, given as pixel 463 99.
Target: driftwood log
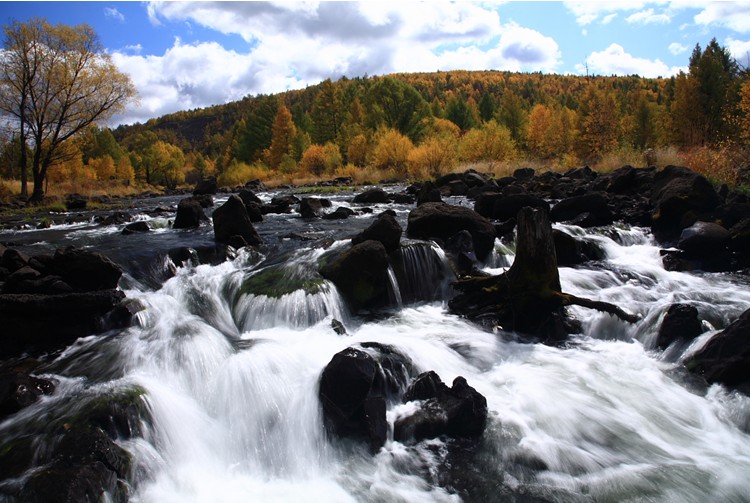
pixel 527 298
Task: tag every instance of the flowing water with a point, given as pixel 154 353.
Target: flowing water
pixel 230 374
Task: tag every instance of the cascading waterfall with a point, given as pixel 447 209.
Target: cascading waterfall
pixel 228 359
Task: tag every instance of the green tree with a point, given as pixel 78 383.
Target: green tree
pixel 486 107
pixel 513 115
pixel 254 134
pixel 56 81
pixel 459 113
pixel 716 75
pixel 327 113
pixel 397 105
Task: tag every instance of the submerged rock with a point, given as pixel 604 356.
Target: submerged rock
pixel 18 391
pixel 459 411
pixel 361 275
pixel 680 323
pixel 351 393
pixel 725 358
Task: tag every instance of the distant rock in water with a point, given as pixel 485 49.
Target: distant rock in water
pixel 189 214
pixel 207 186
pixel 442 221
pixel 231 219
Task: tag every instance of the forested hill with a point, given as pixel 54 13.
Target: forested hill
pixel 423 124
pixel 506 96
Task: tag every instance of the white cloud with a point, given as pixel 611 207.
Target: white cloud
pixel 648 16
pixel 615 61
pixel 677 48
pixel 740 50
pixel 113 13
pixel 291 45
pixel 732 15
pixel 587 12
pixel 608 18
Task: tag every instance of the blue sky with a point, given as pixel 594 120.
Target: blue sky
pixel 186 55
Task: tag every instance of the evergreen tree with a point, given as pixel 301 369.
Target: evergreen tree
pixel 327 113
pixel 397 105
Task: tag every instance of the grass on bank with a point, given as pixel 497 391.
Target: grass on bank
pixel 717 164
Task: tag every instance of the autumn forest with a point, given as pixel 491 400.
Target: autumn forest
pixel 415 126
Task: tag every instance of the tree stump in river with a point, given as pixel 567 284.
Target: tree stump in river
pixel 527 298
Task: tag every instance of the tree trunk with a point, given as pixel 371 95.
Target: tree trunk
pixel 527 298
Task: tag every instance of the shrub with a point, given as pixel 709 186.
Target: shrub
pixel 491 142
pixel 314 160
pixel 239 173
pixel 356 152
pixel 392 151
pixel 436 156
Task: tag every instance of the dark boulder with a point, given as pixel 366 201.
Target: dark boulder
pixel 231 219
pixel 256 186
pixel 385 229
pixel 254 212
pixel 313 207
pixel 680 323
pixel 248 196
pixel 75 202
pixel 725 358
pixel 372 196
pixel 136 227
pixel 205 200
pixel 84 270
pixel 340 213
pixel 206 187
pixel 116 218
pixel 189 214
pixel 703 238
pixel 680 197
pixel 428 193
pixel 739 240
pixel 588 210
pixel 86 466
pixel 19 390
pixel 442 221
pixel 459 411
pixel 460 248
pixel 13 260
pixel 40 323
pixel 504 207
pixel 361 275
pixel 351 394
pixel 523 174
pixel 567 249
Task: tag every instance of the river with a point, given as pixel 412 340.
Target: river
pixel 230 379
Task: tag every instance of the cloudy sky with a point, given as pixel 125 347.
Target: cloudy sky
pixel 186 55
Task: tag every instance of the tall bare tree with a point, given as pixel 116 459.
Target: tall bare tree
pixel 55 81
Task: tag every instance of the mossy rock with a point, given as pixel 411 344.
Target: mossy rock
pixel 278 280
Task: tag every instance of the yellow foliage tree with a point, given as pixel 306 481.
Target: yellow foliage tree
pixel 124 170
pixel 392 151
pixel 104 167
pixel 314 160
pixel 435 156
pixel 491 142
pixel 282 135
pixel 356 151
pixel 745 113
